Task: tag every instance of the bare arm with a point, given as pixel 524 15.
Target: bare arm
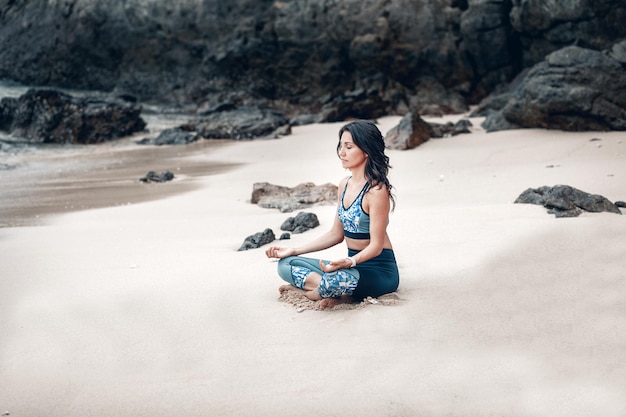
pixel 331 238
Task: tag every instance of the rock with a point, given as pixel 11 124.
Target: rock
pixel 488 44
pixel 435 100
pixel 491 104
pixel 241 123
pixel 566 201
pixel 495 121
pixel 288 199
pixel 618 52
pixel 153 176
pixel 50 116
pixel 546 26
pixel 285 236
pixel 411 132
pixel 301 223
pixel 258 239
pixel 304 119
pixel 450 129
pixel 333 58
pixel 173 136
pixel 574 89
pixel 284 130
pixel 358 104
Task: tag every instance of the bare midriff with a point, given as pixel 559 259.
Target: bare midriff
pixel 360 244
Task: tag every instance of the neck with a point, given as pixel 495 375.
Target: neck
pixel 359 176
pixel 358 181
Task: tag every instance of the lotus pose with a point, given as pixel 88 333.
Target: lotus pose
pixel 364 203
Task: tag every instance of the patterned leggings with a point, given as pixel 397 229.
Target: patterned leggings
pixel 371 278
pixel 296 269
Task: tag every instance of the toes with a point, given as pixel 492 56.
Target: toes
pixel 284 288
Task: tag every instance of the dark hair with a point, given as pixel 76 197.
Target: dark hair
pixel 368 138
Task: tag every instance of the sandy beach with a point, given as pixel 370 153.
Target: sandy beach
pixel 148 309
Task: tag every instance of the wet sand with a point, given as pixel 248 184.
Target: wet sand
pixel 42 180
pixel 56 179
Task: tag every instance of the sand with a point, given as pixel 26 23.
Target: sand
pixel 148 309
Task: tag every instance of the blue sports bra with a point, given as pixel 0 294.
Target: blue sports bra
pixel 356 222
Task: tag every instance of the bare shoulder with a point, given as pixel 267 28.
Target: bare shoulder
pixel 378 191
pixel 342 185
pixel 377 195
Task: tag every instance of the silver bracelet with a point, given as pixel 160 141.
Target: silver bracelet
pixel 352 261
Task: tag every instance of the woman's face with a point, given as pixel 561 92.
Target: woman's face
pixel 351 155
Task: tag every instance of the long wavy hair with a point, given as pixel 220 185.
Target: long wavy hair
pixel 367 137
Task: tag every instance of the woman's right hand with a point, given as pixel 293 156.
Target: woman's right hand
pixel 279 252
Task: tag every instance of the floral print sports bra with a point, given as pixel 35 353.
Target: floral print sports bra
pixel 356 222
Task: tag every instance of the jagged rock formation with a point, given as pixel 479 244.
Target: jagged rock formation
pixel 335 59
pixel 567 201
pixel 49 116
pixel 258 239
pixel 573 89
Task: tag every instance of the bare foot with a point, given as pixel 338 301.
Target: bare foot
pixel 287 287
pixel 332 302
pixel 328 303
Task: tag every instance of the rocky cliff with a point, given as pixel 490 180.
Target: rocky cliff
pixel 349 58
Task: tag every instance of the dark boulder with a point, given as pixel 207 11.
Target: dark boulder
pixel 154 176
pixel 257 240
pixel 304 119
pixel 574 89
pixel 301 223
pixel 433 99
pixel 450 129
pixel 409 133
pixel 50 116
pixel 566 201
pixel 173 136
pixel 240 123
pixel 488 45
pixel 412 131
pixel 359 104
pixel 544 27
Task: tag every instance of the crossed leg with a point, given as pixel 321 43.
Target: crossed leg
pixel 310 292
pixel 311 282
pixel 311 285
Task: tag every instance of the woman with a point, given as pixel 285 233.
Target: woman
pixel 364 203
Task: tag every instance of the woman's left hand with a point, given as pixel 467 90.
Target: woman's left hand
pixel 335 265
